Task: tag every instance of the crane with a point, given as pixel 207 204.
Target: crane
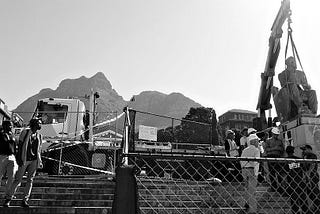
pixel 269 70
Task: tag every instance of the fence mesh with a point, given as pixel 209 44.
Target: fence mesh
pixel 180 135
pixel 67 148
pixel 213 184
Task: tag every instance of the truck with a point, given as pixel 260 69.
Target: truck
pixel 298 127
pixel 67 148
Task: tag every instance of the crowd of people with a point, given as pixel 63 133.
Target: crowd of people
pixel 19 156
pixel 297 180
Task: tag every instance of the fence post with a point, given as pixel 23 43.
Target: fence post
pixel 63 144
pixel 126 194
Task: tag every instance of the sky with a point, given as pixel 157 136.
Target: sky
pixel 212 51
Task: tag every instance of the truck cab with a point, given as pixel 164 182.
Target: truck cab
pixel 61 118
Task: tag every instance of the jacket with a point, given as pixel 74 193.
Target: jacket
pixel 23 144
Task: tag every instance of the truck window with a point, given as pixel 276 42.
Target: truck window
pixel 52 113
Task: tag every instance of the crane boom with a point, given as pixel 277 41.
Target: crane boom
pixel 273 53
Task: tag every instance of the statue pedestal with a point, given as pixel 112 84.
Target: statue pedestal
pixel 301 131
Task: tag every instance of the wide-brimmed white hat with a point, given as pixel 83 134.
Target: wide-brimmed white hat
pixel 253 137
pixel 250 130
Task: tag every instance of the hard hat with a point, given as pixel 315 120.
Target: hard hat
pixel 253 137
pixel 250 130
pixel 275 130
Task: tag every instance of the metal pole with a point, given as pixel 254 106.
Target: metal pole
pixel 91 109
pixel 126 145
pixel 60 157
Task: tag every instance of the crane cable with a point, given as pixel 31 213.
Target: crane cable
pixel 293 46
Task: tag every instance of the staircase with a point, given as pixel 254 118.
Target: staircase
pixel 65 195
pixel 173 197
pixel 94 195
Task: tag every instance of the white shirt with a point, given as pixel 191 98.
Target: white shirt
pixel 243 141
pixel 251 152
pixel 233 148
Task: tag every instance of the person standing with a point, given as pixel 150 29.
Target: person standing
pixel 274 148
pixel 296 184
pixel 230 145
pixel 28 159
pixel 312 178
pixel 8 149
pixel 250 170
pixel 249 132
pixel 231 148
pixel 243 140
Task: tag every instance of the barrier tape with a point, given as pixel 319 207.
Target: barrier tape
pixel 79 166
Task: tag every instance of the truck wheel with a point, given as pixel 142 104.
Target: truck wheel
pixel 76 155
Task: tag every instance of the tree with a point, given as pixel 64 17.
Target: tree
pixel 199 126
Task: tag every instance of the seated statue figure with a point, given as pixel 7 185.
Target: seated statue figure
pixel 295 96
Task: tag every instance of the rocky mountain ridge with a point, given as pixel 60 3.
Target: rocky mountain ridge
pixel 174 105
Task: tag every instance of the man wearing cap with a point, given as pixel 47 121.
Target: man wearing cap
pixel 274 148
pixel 28 159
pixel 296 185
pixel 250 172
pixel 311 177
pixel 250 131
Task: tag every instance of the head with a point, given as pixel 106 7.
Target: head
pixel 244 132
pixel 230 134
pixel 253 139
pixel 306 149
pixel 7 126
pixel 35 124
pixel 291 63
pixel 251 131
pixel 290 150
pixel 275 132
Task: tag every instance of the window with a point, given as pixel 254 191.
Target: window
pixel 52 113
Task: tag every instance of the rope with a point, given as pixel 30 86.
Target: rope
pixel 293 46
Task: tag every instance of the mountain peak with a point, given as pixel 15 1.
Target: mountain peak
pixel 99 75
pixel 174 104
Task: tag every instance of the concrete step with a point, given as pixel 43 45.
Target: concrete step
pixel 208 204
pixel 66 196
pixel 67 190
pixel 209 198
pixel 64 203
pixel 56 210
pixel 220 210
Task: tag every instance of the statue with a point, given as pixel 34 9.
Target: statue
pixel 295 96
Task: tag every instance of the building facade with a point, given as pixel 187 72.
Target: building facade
pixel 4 112
pixel 237 119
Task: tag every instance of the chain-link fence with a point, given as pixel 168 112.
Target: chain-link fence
pixel 152 133
pixel 214 184
pixel 71 147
